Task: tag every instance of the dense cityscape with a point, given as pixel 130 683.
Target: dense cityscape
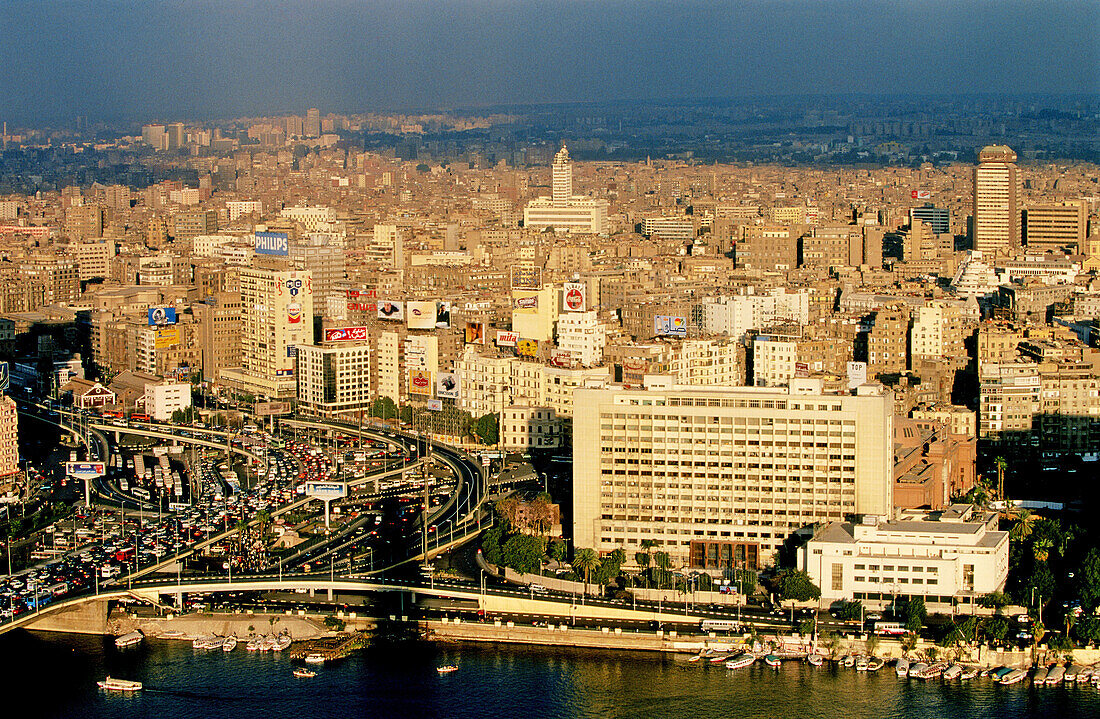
pixel 773 404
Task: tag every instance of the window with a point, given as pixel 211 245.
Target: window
pixel 838 577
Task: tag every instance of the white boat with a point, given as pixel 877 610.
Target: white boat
pixel 215 642
pixel 447 668
pixel 281 642
pixel 772 661
pixel 915 670
pixel 303 673
pixel 815 660
pixel 314 658
pixel 953 672
pixel 740 661
pixel 129 639
pixel 119 685
pixel 1013 677
pixel 1055 675
pixel 934 671
pixel 268 643
pixel 874 664
pixel 703 654
pixel 254 644
pixel 205 642
pixel 848 661
pixel 902 667
pixel 969 674
pixel 1073 671
pixel 719 657
pixel 861 664
pixel 230 643
pixel 1040 677
pixel 173 634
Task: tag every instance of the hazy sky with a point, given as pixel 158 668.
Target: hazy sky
pixel 198 59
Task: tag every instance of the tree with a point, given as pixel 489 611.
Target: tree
pixel 1087 630
pixel 1001 464
pixel 1088 580
pixel 995 628
pixel 383 407
pixel 909 641
pixel 1041 548
pixel 490 543
pixel 851 611
pixel 993 600
pixel 796 585
pixel 523 553
pixel 915 614
pixel 586 561
pixel 487 429
pixel 541 513
pixel 610 566
pixel 872 643
pixel 558 550
pixel 1021 530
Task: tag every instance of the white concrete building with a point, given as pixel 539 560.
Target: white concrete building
pixel 563 211
pixel 737 314
pixel 583 336
pixel 161 400
pixel 723 476
pixel 773 361
pixel 524 428
pixel 334 379
pixel 948 557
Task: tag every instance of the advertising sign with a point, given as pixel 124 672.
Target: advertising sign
pixel 857 374
pixel 294 313
pixel 5 377
pixel 921 194
pixel 527 304
pixel 389 310
pixel 296 285
pixel 160 316
pixel 420 382
pixel 292 350
pixel 561 358
pixel 436 405
pixel 443 315
pixel 420 315
pixel 362 300
pixel 447 384
pixel 507 338
pixel 272 243
pixel 670 326
pixel 270 409
pixel 574 297
pixel 527 348
pixel 345 334
pixel 475 333
pixel 526 278
pixel 167 337
pixel 801 369
pixel 326 490
pixel 85 470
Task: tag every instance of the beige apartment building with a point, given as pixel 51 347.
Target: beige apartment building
pixel 723 476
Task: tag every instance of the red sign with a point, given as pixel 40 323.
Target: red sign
pixel 921 194
pixel 345 334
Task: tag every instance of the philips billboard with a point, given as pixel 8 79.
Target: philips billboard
pixel 272 243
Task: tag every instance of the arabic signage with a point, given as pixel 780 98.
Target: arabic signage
pixel 85 470
pixel 326 490
pixel 574 297
pixel 670 326
pixel 345 334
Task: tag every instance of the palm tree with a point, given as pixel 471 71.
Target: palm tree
pixel 1021 530
pixel 1001 463
pixel 1041 547
pixel 586 560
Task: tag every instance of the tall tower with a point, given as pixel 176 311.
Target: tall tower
pixel 996 201
pixel 313 122
pixel 561 185
pixel 276 316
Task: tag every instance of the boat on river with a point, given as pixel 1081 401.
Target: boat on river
pixel 915 670
pixel 1040 676
pixel 902 667
pixel 740 661
pixel 953 672
pixel 303 673
pixel 772 661
pixel 815 660
pixel 129 639
pixel 281 642
pixel 1055 675
pixel 230 643
pixel 119 685
pixel 875 663
pixel 314 658
pixel 255 643
pixel 969 674
pixel 1014 677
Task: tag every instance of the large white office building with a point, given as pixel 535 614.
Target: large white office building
pixel 563 211
pixel 721 477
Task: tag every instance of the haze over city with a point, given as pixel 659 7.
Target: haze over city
pixel 130 60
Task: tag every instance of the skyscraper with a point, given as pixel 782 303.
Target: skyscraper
pixel 312 126
pixel 996 201
pixel 561 185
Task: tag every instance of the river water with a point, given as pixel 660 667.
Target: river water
pixel 57 674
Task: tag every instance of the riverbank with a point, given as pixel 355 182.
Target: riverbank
pixel 188 626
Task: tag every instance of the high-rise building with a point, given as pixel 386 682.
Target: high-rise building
pixel 219 321
pixel 1056 225
pixel 58 273
pixel 176 136
pixel 276 317
pixel 938 218
pixel 9 437
pixel 93 259
pixel 312 127
pixel 561 178
pixel 334 379
pixel 563 211
pixel 721 477
pixel 996 201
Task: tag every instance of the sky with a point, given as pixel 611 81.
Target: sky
pixel 167 60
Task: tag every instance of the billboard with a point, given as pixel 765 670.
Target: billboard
pixel 574 297
pixel 270 409
pixel 526 278
pixel 506 338
pixel 420 382
pixel 443 315
pixel 561 358
pixel 5 377
pixel 527 348
pixel 294 313
pixel 389 310
pixel 326 490
pixel 921 194
pixel 448 384
pixel 670 326
pixel 85 470
pixel 436 405
pixel 857 374
pixel 475 333
pixel 362 300
pixel 272 243
pixel 167 337
pixel 527 304
pixel 420 315
pixel 345 334
pixel 160 316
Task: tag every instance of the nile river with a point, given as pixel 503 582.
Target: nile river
pixel 56 674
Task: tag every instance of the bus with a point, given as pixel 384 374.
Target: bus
pixel 139 417
pixel 891 629
pixel 720 625
pixel 142 492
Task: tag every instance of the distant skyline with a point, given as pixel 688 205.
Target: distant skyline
pixel 131 60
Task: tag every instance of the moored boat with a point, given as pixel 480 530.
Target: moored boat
pixel 230 643
pixel 915 670
pixel 953 672
pixel 1073 671
pixel 314 658
pixel 447 668
pixel 772 661
pixel 303 673
pixel 119 685
pixel 1040 676
pixel 1013 677
pixel 254 644
pixel 815 660
pixel 719 657
pixel 172 634
pixel 934 670
pixel 875 663
pixel 129 639
pixel 1055 675
pixel 281 642
pixel 996 674
pixel 740 661
pixel 861 664
pixel 902 667
pixel 969 674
